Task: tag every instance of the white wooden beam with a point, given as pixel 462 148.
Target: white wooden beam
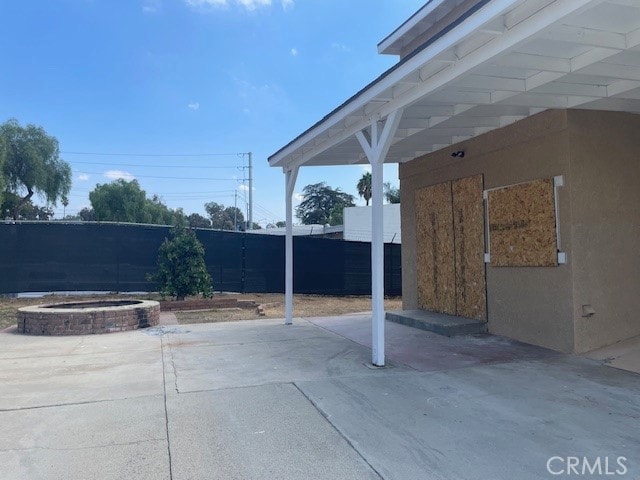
pixel 290 183
pixel 376 148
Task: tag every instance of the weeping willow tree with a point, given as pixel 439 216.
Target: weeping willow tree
pixel 32 165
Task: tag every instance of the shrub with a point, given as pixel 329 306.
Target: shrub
pixel 181 267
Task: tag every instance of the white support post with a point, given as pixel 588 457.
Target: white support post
pixel 290 183
pixel 376 149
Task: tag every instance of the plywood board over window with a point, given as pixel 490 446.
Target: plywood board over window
pixel 522 225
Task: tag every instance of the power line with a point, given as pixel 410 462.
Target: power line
pixel 119 154
pixel 156 166
pixel 227 179
pixel 188 192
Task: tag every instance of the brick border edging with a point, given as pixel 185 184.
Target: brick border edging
pixel 48 320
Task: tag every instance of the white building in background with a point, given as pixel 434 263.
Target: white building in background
pixel 357 226
pixel 304 230
pixel 357 223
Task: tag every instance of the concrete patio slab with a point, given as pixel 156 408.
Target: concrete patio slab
pixel 624 355
pixel 228 355
pixel 258 399
pixel 16 345
pixel 448 325
pixel 41 371
pixel 428 351
pixel 108 439
pixel 271 431
pixel 500 421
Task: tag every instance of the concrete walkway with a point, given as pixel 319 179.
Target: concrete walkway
pixel 260 400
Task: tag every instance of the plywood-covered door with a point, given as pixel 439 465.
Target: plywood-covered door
pixel 436 269
pixel 468 227
pixel 450 248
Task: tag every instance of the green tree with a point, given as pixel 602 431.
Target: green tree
pixel 198 221
pixel 123 201
pixel 119 201
pixel 33 165
pixel 364 187
pixel 87 215
pixel 181 267
pixel 3 152
pixel 27 211
pixel 392 194
pixel 322 204
pixel 158 213
pixel 224 218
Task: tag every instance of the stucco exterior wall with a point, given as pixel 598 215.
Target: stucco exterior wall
pixel 605 198
pixel 534 305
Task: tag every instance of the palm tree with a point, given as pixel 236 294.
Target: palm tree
pixel 364 187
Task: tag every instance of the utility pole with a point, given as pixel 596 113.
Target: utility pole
pixel 235 211
pixel 250 192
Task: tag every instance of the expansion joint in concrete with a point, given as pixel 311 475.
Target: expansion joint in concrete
pixel 70 404
pixel 344 437
pixel 89 447
pixel 166 412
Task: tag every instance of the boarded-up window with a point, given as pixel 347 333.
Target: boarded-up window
pixel 522 225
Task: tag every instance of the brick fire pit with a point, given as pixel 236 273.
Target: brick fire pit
pixel 85 318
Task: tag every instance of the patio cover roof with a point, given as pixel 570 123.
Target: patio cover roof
pixel 501 61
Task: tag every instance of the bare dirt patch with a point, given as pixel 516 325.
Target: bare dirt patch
pixel 235 306
pixel 273 307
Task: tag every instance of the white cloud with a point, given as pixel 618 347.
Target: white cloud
pixel 245 188
pixel 294 52
pixel 194 105
pixel 340 47
pixel 259 99
pixel 249 5
pixel 298 197
pixel 253 4
pixel 116 174
pixel 365 166
pixel 83 177
pixel 151 6
pixel 206 3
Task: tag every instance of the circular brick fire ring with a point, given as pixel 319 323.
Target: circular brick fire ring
pixel 85 318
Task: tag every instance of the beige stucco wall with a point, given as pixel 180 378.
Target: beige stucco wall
pixel 605 198
pixel 598 153
pixel 534 305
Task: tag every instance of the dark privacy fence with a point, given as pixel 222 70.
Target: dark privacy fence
pixel 43 257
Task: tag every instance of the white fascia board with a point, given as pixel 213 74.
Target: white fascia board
pixel 403 29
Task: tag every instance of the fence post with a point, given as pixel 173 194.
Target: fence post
pixel 244 262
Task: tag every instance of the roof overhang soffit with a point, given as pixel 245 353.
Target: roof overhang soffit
pixel 493 32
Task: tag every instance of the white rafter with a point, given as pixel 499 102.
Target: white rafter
pixel 510 54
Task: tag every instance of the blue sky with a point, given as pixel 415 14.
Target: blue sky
pixel 149 79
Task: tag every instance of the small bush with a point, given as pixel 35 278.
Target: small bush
pixel 181 267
